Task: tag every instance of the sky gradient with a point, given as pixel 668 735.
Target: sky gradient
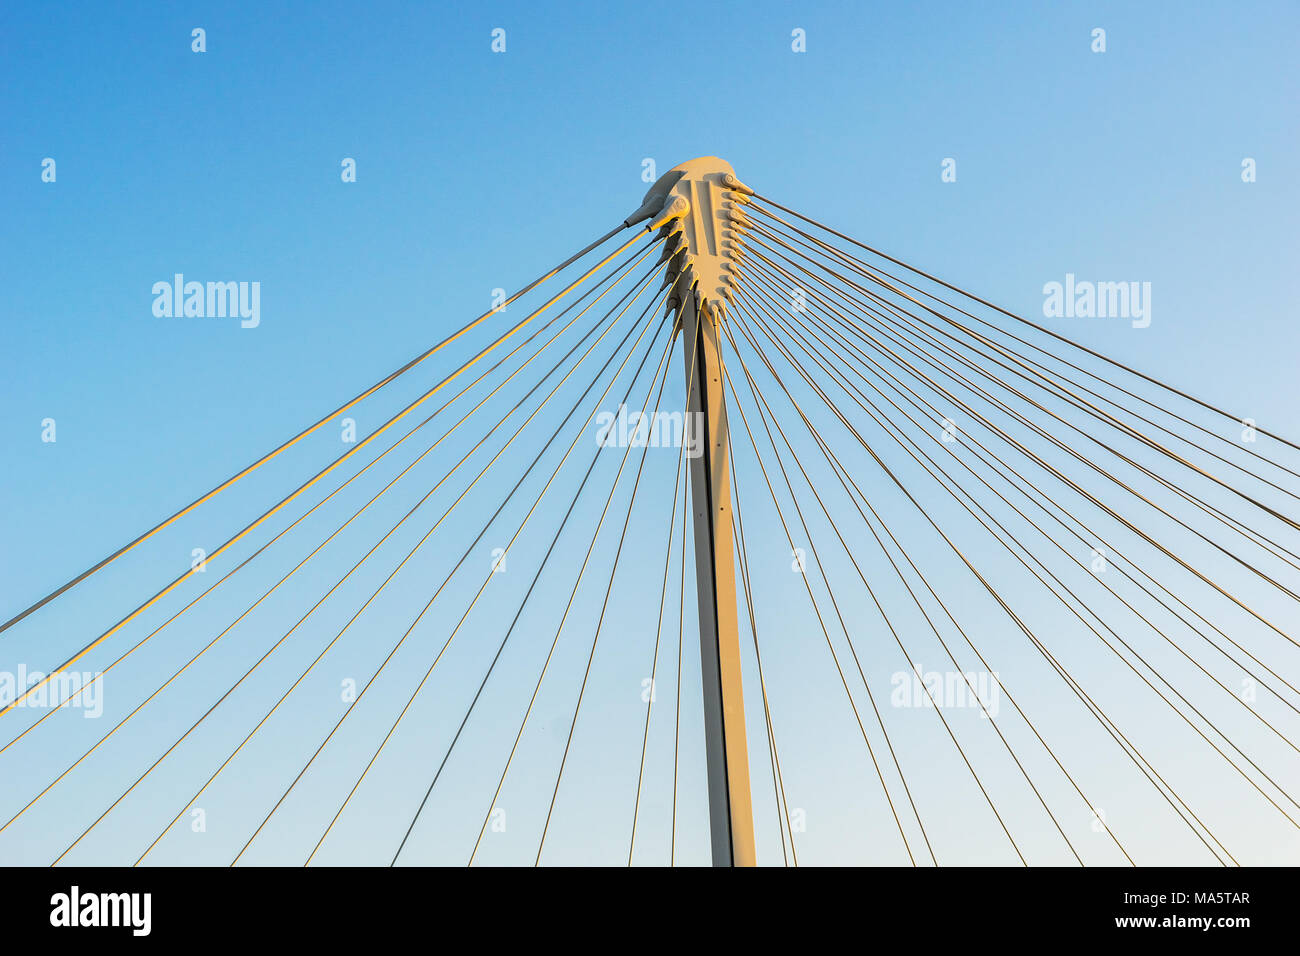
pixel 478 171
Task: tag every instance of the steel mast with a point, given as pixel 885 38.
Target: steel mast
pixel 701 202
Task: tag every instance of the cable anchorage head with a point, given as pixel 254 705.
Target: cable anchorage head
pixel 701 216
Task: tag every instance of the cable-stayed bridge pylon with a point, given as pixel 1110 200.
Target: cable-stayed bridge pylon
pixel 876 470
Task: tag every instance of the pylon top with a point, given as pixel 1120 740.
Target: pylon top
pixel 703 227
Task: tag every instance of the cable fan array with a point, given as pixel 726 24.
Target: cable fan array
pixel 916 474
pixel 1000 454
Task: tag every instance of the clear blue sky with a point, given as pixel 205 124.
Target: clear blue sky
pixel 478 171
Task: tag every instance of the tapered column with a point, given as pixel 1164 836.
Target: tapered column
pixel 730 807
